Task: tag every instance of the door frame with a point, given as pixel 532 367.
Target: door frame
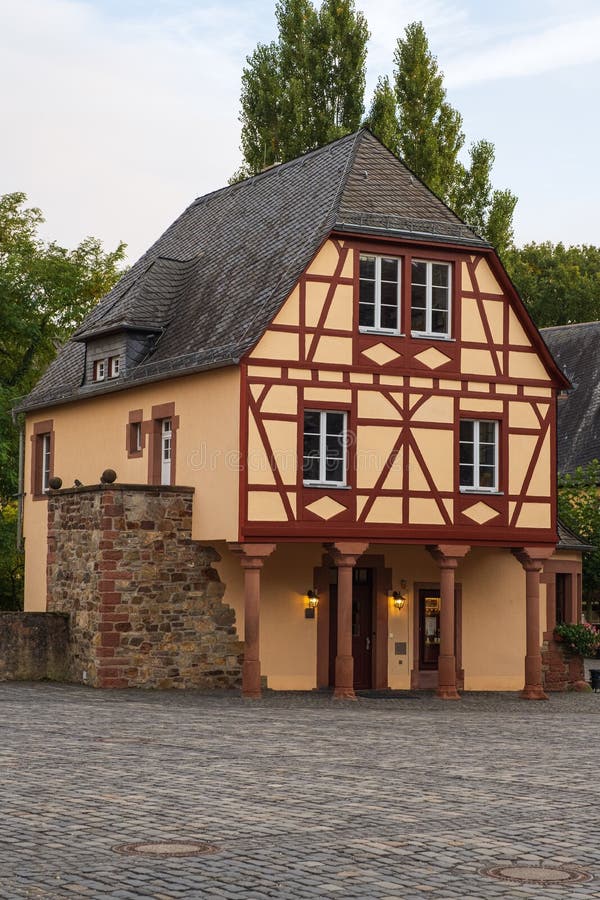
pixel 381 584
pixel 427 679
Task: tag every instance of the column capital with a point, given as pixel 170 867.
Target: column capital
pixel 252 556
pixel 532 558
pixel 346 553
pixel 447 556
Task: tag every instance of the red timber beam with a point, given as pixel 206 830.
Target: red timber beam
pixel 345 555
pixel 532 559
pixel 252 557
pixel 447 557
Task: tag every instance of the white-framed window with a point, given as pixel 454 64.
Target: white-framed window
pixel 165 451
pixel 114 366
pixel 478 455
pixel 45 463
pixel 136 437
pixel 379 294
pixel 100 370
pixel 430 291
pixel 324 448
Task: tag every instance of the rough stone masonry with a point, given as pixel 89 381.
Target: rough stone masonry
pixel 145 603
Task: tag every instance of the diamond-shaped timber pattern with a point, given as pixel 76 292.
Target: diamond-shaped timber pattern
pixel 326 508
pixel 381 354
pixel 480 513
pixel 432 358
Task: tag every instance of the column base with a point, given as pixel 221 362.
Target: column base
pixel 344 693
pixel 447 693
pixel 251 688
pixel 533 693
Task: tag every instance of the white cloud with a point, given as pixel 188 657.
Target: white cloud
pixel 553 47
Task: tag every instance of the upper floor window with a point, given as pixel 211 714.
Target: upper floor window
pixel 166 446
pixel 478 455
pixel 430 299
pixel 379 294
pixel 42 458
pixel 114 366
pixel 100 370
pixel 45 463
pixel 324 448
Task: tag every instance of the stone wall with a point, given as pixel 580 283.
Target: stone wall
pixel 562 670
pixel 145 603
pixel 33 646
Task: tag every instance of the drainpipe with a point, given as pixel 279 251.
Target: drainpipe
pixel 20 495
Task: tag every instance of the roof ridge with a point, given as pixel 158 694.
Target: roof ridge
pixel 335 206
pixel 569 325
pixel 277 167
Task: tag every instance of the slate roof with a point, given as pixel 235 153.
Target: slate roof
pixel 576 349
pixel 212 283
pixel 568 540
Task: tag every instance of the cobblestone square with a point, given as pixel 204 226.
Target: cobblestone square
pixel 297 795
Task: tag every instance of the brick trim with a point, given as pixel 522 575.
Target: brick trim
pixel 136 417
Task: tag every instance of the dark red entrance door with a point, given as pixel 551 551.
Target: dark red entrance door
pixel 362 629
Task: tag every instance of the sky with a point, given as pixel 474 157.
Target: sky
pixel 116 114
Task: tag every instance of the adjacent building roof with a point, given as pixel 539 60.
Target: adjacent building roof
pixel 211 284
pixel 576 350
pixel 568 540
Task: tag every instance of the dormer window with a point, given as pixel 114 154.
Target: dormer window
pixel 114 366
pixel 100 370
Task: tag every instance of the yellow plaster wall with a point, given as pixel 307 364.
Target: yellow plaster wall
pixel 288 641
pixel 89 436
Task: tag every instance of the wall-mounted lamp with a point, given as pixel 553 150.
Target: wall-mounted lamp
pixel 312 599
pixel 399 597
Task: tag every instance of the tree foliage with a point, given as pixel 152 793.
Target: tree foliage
pixel 559 285
pixel 579 509
pixel 45 291
pixel 431 138
pixel 306 88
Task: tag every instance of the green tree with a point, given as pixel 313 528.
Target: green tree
pixel 431 134
pixel 45 291
pixel 579 509
pixel 558 284
pixel 11 558
pixel 431 138
pixel 306 88
pixel 382 118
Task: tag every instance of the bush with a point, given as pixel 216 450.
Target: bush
pixel 581 639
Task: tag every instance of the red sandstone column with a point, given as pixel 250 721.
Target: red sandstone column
pixel 447 559
pixel 345 554
pixel 252 557
pixel 533 563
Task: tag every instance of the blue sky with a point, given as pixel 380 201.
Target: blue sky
pixel 117 113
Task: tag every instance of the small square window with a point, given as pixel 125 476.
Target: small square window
pixel 100 370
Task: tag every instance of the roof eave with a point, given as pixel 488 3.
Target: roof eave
pixel 113 387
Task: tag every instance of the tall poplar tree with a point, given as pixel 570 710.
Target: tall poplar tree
pixel 382 118
pixel 431 138
pixel 306 88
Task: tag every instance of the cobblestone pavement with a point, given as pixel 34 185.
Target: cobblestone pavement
pixel 301 796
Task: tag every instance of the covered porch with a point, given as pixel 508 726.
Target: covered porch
pixel 414 617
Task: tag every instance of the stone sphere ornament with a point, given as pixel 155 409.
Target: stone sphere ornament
pixel 108 476
pixel 55 483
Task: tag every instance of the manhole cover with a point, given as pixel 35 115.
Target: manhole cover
pixel 525 874
pixel 166 848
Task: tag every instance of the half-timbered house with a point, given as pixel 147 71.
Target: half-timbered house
pixel 346 376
